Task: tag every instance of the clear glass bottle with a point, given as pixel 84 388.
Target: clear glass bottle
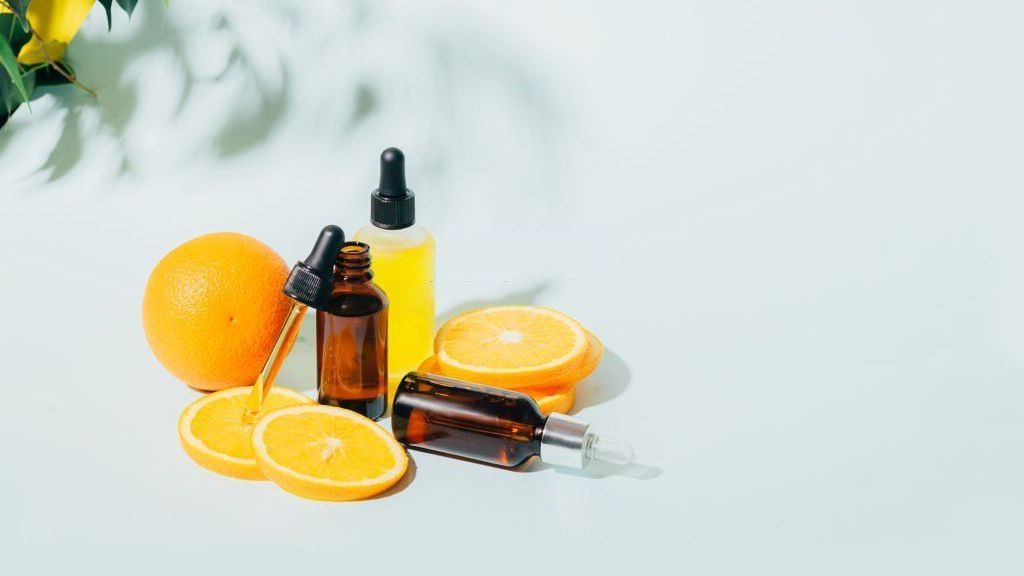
pixel 403 265
pixel 352 337
pixel 494 426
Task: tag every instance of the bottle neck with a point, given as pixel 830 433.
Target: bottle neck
pixel 563 441
pixel 353 263
pixel 566 441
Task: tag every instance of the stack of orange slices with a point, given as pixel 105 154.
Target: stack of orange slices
pixel 538 351
pixel 318 452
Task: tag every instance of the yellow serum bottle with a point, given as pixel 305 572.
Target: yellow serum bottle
pixel 403 266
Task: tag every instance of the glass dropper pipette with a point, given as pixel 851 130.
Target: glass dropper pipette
pixel 308 285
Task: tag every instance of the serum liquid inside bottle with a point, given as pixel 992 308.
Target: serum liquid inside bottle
pixel 352 337
pixel 494 426
pixel 403 265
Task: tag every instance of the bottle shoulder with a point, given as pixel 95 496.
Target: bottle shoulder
pixel 380 238
pixel 356 299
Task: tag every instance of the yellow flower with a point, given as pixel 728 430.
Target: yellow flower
pixel 57 22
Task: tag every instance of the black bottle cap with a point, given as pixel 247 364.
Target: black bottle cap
pixel 392 206
pixel 311 280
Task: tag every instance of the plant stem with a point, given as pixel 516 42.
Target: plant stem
pixel 46 54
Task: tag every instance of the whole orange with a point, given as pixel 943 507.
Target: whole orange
pixel 213 308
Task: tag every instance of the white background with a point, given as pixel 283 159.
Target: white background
pixel 794 224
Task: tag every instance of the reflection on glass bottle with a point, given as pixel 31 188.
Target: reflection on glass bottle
pixel 493 426
pixel 352 337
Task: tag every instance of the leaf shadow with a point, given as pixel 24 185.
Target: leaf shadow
pixel 247 128
pixel 102 62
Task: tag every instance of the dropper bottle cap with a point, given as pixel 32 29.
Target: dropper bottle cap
pixel 567 441
pixel 311 280
pixel 392 205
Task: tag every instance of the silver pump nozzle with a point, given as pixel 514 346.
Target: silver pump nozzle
pixel 567 441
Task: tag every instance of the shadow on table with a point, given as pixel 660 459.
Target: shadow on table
pixel 599 470
pixel 611 379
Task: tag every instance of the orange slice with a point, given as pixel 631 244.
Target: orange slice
pixel 511 346
pixel 550 399
pixel 553 399
pixel 327 453
pixel 587 365
pixel 595 350
pixel 430 366
pixel 212 432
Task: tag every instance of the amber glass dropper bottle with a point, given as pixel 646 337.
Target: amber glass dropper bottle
pixel 352 337
pixel 308 285
pixel 494 426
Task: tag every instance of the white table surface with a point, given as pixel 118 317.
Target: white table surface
pixel 795 225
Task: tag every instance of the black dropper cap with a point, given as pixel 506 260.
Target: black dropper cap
pixel 392 206
pixel 311 280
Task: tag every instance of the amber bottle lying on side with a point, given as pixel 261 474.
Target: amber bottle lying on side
pixel 494 426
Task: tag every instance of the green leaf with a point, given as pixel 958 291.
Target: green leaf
pixel 128 6
pixel 10 98
pixel 106 6
pixel 10 64
pixel 20 7
pixel 10 29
